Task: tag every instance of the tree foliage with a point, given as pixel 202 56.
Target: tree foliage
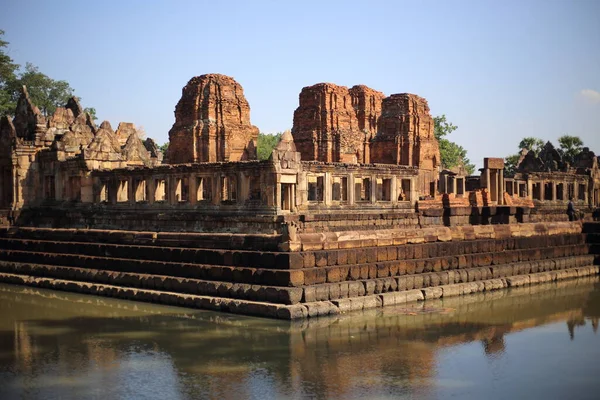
pixel 510 164
pixel 8 78
pixel 531 143
pixel 570 146
pixel 44 92
pixel 164 147
pixel 451 153
pixel 527 143
pixel 266 144
pixel 92 112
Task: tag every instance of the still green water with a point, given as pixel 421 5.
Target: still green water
pixel 535 343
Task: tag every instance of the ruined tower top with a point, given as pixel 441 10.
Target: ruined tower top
pixel 212 122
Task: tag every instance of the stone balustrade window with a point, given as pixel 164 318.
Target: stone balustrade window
pixel 582 190
pixel 384 189
pixel 362 189
pixel 160 190
pixel 460 185
pixel 123 191
pixel 339 189
pixel 203 188
pixel 315 188
pixel 560 191
pixel 228 188
pixel 139 188
pixel 570 190
pixel 103 192
pixel 548 191
pixel 182 190
pixel 522 190
pixel 405 188
pixel 537 191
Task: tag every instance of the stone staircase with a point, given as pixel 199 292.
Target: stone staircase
pixel 592 237
pixel 211 271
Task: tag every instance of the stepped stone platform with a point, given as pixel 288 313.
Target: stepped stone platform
pixel 331 273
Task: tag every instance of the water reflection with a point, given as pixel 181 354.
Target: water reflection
pixel 61 345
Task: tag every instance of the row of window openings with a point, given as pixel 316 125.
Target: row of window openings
pixel 181 194
pixel 362 189
pixel 182 190
pixel 72 191
pixel 560 192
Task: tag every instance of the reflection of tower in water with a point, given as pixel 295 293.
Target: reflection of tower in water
pixel 24 347
pixel 494 345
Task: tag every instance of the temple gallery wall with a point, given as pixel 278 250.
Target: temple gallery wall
pixel 352 210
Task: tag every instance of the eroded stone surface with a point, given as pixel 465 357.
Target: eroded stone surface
pixel 335 124
pixel 406 134
pixel 212 122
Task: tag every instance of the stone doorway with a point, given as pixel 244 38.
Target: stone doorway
pixel 6 186
pixel 287 196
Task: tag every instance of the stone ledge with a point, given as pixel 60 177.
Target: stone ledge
pixel 297 311
pixel 387 237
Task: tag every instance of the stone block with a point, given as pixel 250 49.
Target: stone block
pixel 451 290
pixel 401 280
pixel 292 312
pixel 392 298
pixel 372 271
pixel 432 293
pixel 351 257
pixel 370 287
pixel 418 281
pixel 315 276
pixel 383 270
pixel 354 273
pixel 371 302
pixel 342 258
pixel 414 295
pixel 322 292
pixel 332 257
pixel 344 305
pixel 320 258
pixel 333 275
pixel 443 278
pixel 308 259
pixel 309 294
pixel 371 254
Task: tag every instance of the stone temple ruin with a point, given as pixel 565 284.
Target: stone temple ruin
pixel 351 211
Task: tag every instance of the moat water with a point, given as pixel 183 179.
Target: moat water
pixel 540 342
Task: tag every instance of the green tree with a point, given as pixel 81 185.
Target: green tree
pixel 164 147
pixel 531 143
pixel 92 112
pixel 527 143
pixel 451 153
pixel 570 146
pixel 7 79
pixel 266 144
pixel 44 92
pixel 510 164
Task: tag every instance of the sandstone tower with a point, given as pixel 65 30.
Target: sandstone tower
pixel 212 123
pixel 360 125
pixel 335 124
pixel 406 133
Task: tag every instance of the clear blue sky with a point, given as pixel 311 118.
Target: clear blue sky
pixel 500 70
